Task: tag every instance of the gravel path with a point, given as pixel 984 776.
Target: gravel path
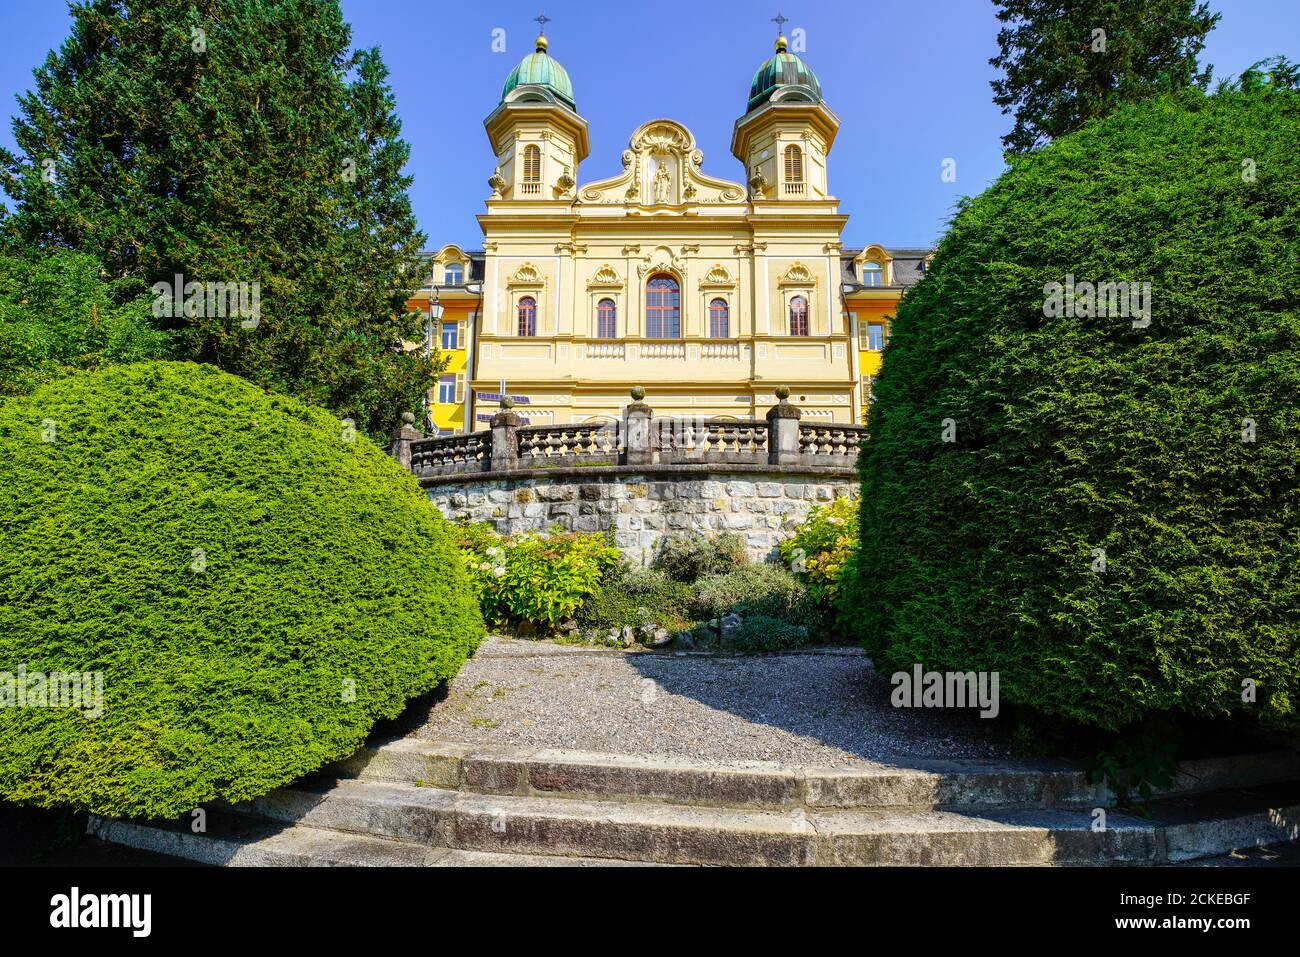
pixel 826 708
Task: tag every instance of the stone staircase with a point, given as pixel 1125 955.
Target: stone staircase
pixel 412 802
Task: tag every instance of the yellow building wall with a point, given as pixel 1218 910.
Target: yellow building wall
pixel 867 313
pixel 450 416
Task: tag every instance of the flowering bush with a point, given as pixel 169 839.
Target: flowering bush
pixel 541 579
pixel 822 549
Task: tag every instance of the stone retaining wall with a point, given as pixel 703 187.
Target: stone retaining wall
pixel 642 506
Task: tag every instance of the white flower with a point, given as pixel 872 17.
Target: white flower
pixel 483 566
pixel 492 551
pixel 499 571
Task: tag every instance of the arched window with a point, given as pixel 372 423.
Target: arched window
pixel 798 316
pixel 528 316
pixel 453 274
pixel 663 308
pixel 532 164
pixel 606 325
pixel 872 273
pixel 719 319
pixel 793 164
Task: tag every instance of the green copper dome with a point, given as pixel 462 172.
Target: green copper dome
pixel 787 75
pixel 539 69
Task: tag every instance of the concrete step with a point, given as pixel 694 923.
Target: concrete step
pixel 1178 829
pixel 240 841
pixel 767 785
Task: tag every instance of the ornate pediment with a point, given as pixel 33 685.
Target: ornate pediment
pixel 661 168
pixel 797 275
pixel 718 276
pixel 526 275
pixel 605 276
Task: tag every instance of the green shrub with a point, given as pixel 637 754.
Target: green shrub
pixel 1077 433
pixel 688 557
pixel 256 585
pixel 760 633
pixel 641 597
pixel 768 590
pixel 540 579
pixel 58 315
pixel 822 549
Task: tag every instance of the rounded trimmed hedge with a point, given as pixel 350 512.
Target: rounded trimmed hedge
pixel 1103 531
pixel 255 583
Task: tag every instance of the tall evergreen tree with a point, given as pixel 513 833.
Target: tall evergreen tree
pixel 221 140
pixel 1066 62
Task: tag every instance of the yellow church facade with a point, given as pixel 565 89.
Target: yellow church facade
pixel 708 292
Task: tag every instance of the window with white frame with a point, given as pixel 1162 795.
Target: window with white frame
pixel 447 389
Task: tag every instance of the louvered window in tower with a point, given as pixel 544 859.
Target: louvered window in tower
pixel 532 185
pixel 794 170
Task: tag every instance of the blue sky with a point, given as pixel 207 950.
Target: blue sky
pixel 908 80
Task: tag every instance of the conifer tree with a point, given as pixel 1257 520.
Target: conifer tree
pixel 220 140
pixel 1066 62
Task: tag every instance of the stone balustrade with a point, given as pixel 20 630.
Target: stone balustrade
pixel 641 478
pixel 639 439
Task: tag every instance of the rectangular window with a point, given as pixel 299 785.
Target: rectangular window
pixel 875 336
pixel 446 389
pixel 450 337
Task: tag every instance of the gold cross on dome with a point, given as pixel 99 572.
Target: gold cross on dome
pixel 780 22
pixel 542 20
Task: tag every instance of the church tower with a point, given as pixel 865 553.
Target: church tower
pixel 786 133
pixel 536 133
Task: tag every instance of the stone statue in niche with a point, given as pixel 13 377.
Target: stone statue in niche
pixel 663 183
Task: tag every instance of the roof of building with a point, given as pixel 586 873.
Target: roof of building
pixel 784 76
pixel 540 69
pixel 908 265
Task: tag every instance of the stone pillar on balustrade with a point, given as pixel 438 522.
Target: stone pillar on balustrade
pixel 505 438
pixel 400 447
pixel 638 437
pixel 783 430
